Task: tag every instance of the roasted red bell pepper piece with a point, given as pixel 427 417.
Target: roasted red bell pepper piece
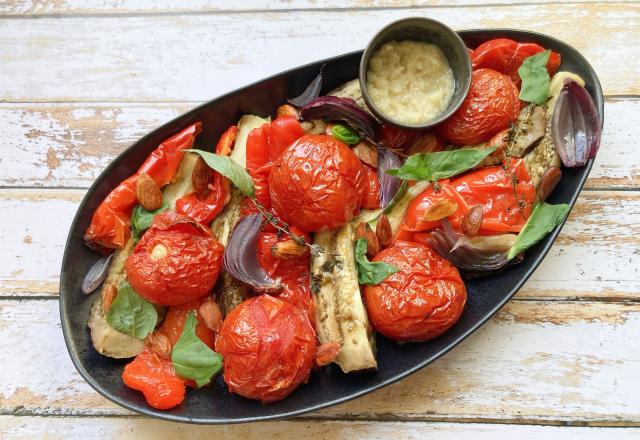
pixel 110 225
pixel 156 378
pixel 264 145
pixel 228 138
pixel 506 193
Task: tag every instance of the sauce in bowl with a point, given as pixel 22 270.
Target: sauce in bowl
pixel 410 81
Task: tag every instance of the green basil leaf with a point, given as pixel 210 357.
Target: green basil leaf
pixel 141 219
pixel 543 219
pixel 368 272
pixel 345 134
pixel 131 314
pixel 229 169
pixel 535 78
pixel 440 165
pixel 192 358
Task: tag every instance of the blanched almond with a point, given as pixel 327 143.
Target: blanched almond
pixel 373 245
pixel 287 110
pixel 472 221
pixel 201 175
pixel 367 153
pixel 211 315
pixel 109 293
pixel 383 230
pixel 289 250
pixel 439 210
pixel 159 343
pixel 148 192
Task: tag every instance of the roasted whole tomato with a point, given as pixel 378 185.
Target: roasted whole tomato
pixel 156 378
pixel 421 301
pixel 506 56
pixel 490 106
pixel 264 145
pixel 268 347
pixel 506 194
pixel 203 206
pixel 176 261
pixel 294 274
pixel 316 184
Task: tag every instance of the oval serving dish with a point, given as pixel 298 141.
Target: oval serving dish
pixel 328 386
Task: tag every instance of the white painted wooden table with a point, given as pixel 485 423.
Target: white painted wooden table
pixel 81 80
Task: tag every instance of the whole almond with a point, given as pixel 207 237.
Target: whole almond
pixel 439 210
pixel 289 250
pixel 201 175
pixel 366 153
pixel 211 315
pixel 472 221
pixel 383 230
pixel 548 182
pixel 148 192
pixel 108 294
pixel 287 110
pixel 373 245
pixel 159 343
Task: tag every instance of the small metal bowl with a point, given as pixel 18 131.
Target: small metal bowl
pixel 429 31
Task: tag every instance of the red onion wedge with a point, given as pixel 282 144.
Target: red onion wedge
pixel 473 256
pixel 241 256
pixel 310 93
pixel 97 274
pixel 575 125
pixel 388 184
pixel 333 108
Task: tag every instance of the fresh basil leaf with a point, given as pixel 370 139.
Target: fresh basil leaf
pixel 440 165
pixel 130 314
pixel 535 78
pixel 192 358
pixel 368 272
pixel 229 169
pixel 141 219
pixel 345 134
pixel 543 219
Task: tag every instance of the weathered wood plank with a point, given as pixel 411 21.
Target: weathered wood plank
pixel 70 144
pixel 71 428
pixel 596 256
pixel 196 57
pixel 535 362
pixel 63 7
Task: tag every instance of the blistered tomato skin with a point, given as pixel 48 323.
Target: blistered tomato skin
pixel 490 106
pixel 268 347
pixel 176 261
pixel 156 378
pixel 421 301
pixel 317 184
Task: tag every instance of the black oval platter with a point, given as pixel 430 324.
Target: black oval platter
pixel 329 386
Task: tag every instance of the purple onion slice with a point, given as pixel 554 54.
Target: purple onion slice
pixel 241 256
pixel 333 108
pixel 575 125
pixel 310 93
pixel 474 257
pixel 97 274
pixel 388 184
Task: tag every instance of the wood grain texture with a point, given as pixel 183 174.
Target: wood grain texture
pixel 63 7
pixel 49 428
pixel 597 255
pixel 196 57
pixel 535 362
pixel 70 144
